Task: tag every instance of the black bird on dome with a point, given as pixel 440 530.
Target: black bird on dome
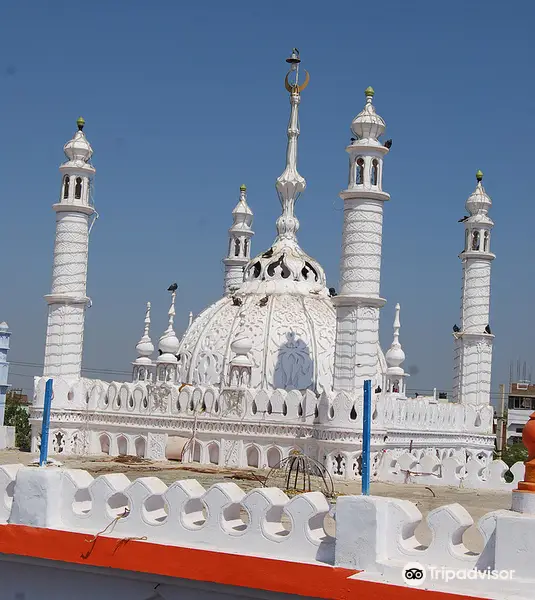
pixel 378 389
pixel 173 287
pixel 463 219
pixel 456 328
pixel 388 144
pixel 487 329
pixel 332 292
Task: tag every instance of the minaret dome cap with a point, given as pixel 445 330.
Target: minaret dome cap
pixel 243 187
pixel 368 125
pixel 479 175
pixel 78 149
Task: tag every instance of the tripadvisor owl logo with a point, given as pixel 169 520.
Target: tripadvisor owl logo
pixel 414 574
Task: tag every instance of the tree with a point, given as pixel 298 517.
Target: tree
pixel 515 453
pixel 17 415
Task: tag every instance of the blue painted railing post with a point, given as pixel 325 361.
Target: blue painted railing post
pixel 45 426
pixel 366 437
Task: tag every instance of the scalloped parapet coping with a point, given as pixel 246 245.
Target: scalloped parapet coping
pixel 262 522
pixel 430 470
pixel 373 534
pixel 206 402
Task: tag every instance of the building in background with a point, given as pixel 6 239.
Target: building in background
pixel 520 405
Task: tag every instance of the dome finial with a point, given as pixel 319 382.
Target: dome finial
pixel 369 92
pixel 479 175
pixel 243 187
pixel 80 122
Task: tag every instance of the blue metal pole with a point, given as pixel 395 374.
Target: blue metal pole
pixel 45 426
pixel 366 437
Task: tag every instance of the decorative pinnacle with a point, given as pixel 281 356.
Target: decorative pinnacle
pixel 479 175
pixel 369 92
pixel 397 324
pixel 243 187
pixel 80 122
pixel 172 312
pixel 147 321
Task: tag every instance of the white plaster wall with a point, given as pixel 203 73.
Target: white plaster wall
pixel 65 328
pixel 473 369
pixel 360 265
pixel 476 295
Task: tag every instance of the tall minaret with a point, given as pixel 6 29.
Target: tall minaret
pixel 239 249
pixel 67 300
pixel 358 303
pixel 473 339
pixel 5 334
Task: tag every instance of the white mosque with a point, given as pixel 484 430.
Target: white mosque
pixel 278 363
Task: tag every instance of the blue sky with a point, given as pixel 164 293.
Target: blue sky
pixel 183 102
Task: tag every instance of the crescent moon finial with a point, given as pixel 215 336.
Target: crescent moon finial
pixel 293 88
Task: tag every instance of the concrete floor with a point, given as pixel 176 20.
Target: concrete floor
pixel 476 502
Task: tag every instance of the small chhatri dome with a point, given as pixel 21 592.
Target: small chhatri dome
pixel 78 149
pixel 4 326
pixel 478 202
pixel 368 125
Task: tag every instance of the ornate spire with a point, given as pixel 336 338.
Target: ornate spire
pixel 145 346
pixel 368 125
pixel 291 184
pixel 285 267
pixel 395 355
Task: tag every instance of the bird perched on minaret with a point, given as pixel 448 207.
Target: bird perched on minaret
pixel 463 219
pixel 456 329
pixel 388 144
pixel 173 287
pixel 487 330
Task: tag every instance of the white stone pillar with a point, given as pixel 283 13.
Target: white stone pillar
pixel 358 303
pixel 473 341
pixel 67 300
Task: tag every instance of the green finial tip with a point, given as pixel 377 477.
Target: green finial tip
pixel 369 91
pixel 479 175
pixel 243 187
pixel 80 122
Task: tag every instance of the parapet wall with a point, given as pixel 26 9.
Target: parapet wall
pixel 342 411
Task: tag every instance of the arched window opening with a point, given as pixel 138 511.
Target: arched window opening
pixel 486 241
pixel 359 173
pixel 253 458
pixel 66 185
pixel 375 172
pixel 104 444
pixel 475 240
pixel 245 247
pixel 467 240
pixel 236 247
pixel 140 447
pixel 78 188
pixel 213 454
pixel 122 446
